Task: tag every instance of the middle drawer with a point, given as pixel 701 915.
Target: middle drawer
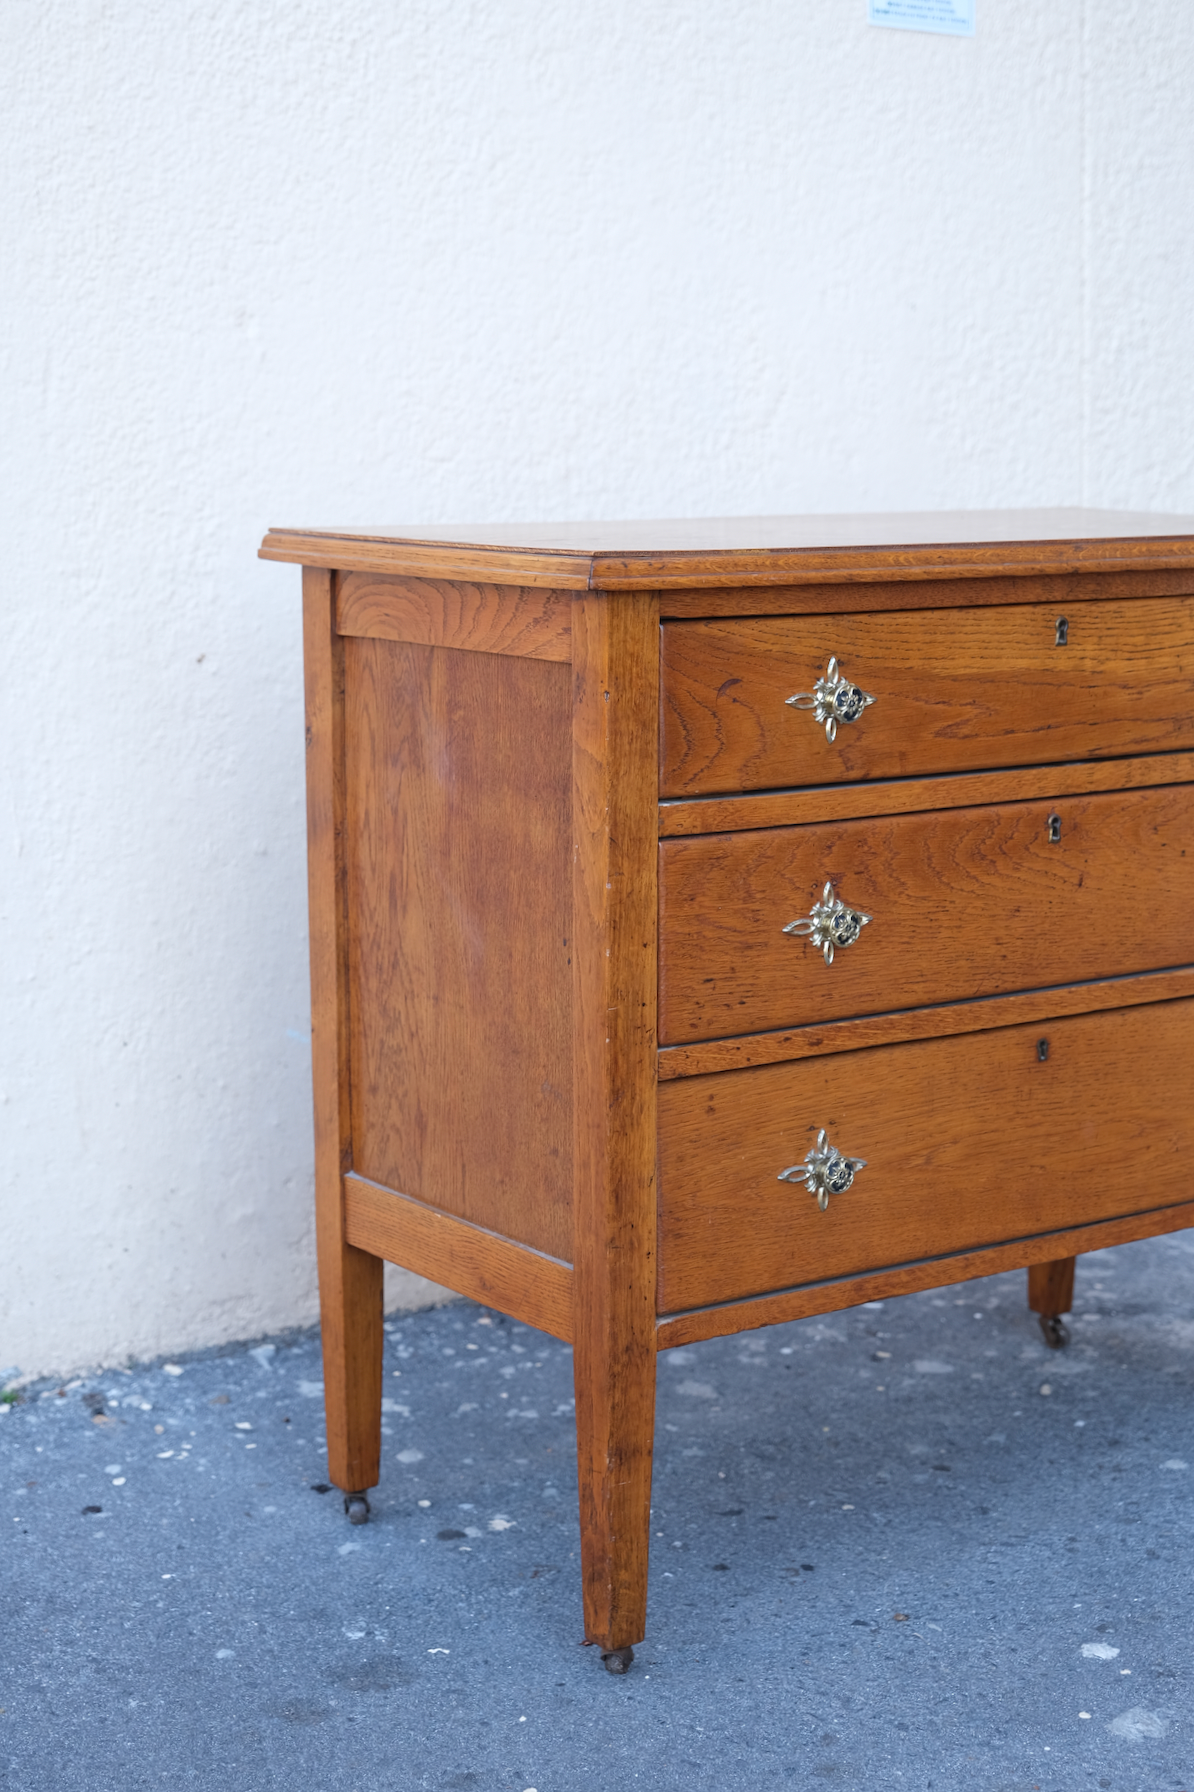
pixel 962 903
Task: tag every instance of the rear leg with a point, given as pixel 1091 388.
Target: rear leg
pixel 1050 1294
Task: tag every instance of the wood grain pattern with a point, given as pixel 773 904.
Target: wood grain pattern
pixel 941 1022
pixel 915 561
pixel 967 1141
pixel 493 1109
pixel 564 571
pixel 458 835
pixel 1051 1286
pixel 479 1264
pixel 955 690
pixel 740 551
pixel 685 816
pixel 925 591
pixel 525 621
pixel 964 903
pixel 909 1278
pixel 350 1280
pixel 615 743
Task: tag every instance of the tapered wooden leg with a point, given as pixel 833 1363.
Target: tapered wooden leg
pixel 350 1310
pixel 350 1280
pixel 1050 1294
pixel 615 660
pixel 615 1427
pixel 1051 1286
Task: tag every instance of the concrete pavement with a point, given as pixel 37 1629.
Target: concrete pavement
pixel 902 1546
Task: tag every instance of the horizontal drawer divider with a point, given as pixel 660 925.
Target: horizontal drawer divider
pixel 681 817
pixel 940 1021
pixel 810 1298
pixel 924 589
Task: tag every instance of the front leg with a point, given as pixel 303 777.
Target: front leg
pixel 350 1280
pixel 615 1429
pixel 615 750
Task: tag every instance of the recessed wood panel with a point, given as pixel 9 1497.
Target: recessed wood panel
pixel 954 690
pixel 963 903
pixel 967 1142
pixel 458 822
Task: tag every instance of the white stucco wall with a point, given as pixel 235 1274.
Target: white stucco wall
pixel 329 263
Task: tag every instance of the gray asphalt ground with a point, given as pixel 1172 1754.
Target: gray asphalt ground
pixel 903 1546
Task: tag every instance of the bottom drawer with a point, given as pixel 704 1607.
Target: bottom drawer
pixel 967 1141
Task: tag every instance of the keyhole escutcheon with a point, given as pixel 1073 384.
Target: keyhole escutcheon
pixel 1055 828
pixel 1063 632
pixel 1042 1049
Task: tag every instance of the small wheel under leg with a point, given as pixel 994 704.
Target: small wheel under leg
pixel 1054 1330
pixel 617 1661
pixel 356 1507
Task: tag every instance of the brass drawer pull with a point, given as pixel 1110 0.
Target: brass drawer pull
pixel 833 699
pixel 824 1171
pixel 829 923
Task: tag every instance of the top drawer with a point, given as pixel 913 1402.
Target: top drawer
pixel 952 690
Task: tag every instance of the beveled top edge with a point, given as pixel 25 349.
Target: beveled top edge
pixel 728 550
pixel 763 534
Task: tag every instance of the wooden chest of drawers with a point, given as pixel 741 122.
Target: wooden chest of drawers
pixel 713 924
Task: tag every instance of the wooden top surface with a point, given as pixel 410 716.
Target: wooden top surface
pixel 729 551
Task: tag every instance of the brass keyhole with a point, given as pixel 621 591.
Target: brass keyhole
pixel 1063 630
pixel 1055 828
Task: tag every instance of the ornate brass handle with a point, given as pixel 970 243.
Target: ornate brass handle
pixel 829 923
pixel 833 699
pixel 825 1171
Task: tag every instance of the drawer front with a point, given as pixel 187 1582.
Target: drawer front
pixel 962 903
pixel 967 1142
pixel 953 690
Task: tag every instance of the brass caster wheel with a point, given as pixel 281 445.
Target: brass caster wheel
pixel 617 1661
pixel 356 1507
pixel 1054 1330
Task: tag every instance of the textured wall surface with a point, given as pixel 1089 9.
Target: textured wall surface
pixel 329 264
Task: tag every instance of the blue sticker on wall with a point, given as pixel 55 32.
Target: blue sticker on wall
pixel 954 18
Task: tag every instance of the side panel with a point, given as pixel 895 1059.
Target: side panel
pixel 458 823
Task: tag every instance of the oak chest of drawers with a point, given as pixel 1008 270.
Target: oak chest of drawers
pixel 718 923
